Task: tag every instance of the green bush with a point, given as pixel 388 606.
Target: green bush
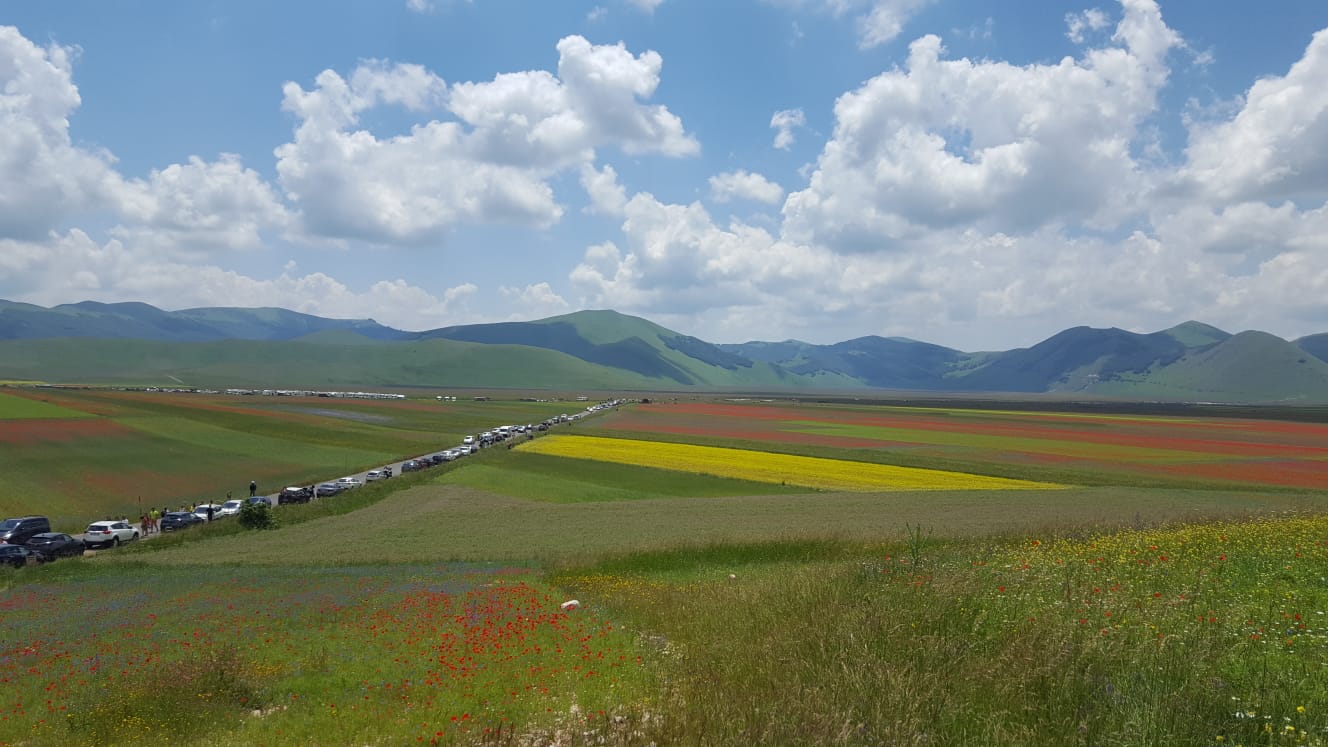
pixel 257 516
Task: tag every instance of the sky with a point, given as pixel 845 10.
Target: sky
pixel 973 174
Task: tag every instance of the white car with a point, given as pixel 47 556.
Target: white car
pixel 109 533
pixel 375 474
pixel 201 510
pixel 347 483
pixel 230 508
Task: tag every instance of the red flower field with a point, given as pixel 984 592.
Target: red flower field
pixel 1244 451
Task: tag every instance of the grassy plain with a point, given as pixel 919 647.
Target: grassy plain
pixel 713 611
pixel 300 655
pixel 77 455
pixel 446 520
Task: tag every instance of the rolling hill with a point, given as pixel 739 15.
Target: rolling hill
pixel 139 321
pixel 133 343
pixel 1315 345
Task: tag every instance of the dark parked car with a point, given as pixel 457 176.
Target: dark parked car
pixel 52 545
pixel 17 531
pixel 295 495
pixel 411 465
pixel 18 556
pixel 180 520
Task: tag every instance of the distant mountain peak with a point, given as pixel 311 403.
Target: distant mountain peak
pixel 1194 334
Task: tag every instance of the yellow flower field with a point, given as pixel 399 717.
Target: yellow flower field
pixel 761 466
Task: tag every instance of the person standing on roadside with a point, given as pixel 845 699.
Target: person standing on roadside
pixel 210 512
pixel 253 488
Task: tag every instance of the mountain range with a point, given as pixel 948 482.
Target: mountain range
pixel 135 343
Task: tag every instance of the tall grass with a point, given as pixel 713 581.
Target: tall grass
pixel 1093 641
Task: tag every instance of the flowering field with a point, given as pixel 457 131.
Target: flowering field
pixel 1202 634
pixel 372 655
pixel 75 455
pixel 1176 449
pixel 761 466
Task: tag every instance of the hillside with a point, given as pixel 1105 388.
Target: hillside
pixel 1248 366
pixel 1315 345
pixel 139 321
pixel 1073 360
pixel 889 363
pixel 615 340
pixel 137 343
pixel 303 364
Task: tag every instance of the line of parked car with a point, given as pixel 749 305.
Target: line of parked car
pixel 28 540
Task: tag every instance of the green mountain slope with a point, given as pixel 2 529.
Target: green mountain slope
pixel 304 364
pixel 1194 334
pixel 1247 367
pixel 141 321
pixel 1315 345
pixel 885 362
pixel 1073 360
pixel 277 348
pixel 282 324
pixel 642 347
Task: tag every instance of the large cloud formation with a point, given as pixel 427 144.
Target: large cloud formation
pixel 489 165
pixel 953 197
pixel 486 156
pixel 956 192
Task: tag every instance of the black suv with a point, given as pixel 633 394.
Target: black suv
pixel 18 531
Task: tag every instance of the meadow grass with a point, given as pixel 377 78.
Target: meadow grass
pixel 553 479
pixel 155 449
pixel 1200 634
pixel 16 408
pixel 441 519
pixel 346 655
pixel 425 609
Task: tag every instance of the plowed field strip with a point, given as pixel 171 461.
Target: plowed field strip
pixel 1226 438
pixel 1008 443
pixel 761 466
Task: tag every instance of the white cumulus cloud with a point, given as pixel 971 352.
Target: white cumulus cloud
pixel 1276 146
pixel 946 142
pixel 744 185
pixel 1078 24
pixel 44 177
pixel 492 166
pixel 783 122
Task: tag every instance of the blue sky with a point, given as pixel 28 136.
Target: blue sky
pixel 974 174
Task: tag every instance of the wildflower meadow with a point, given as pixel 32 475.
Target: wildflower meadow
pixel 382 655
pixel 593 590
